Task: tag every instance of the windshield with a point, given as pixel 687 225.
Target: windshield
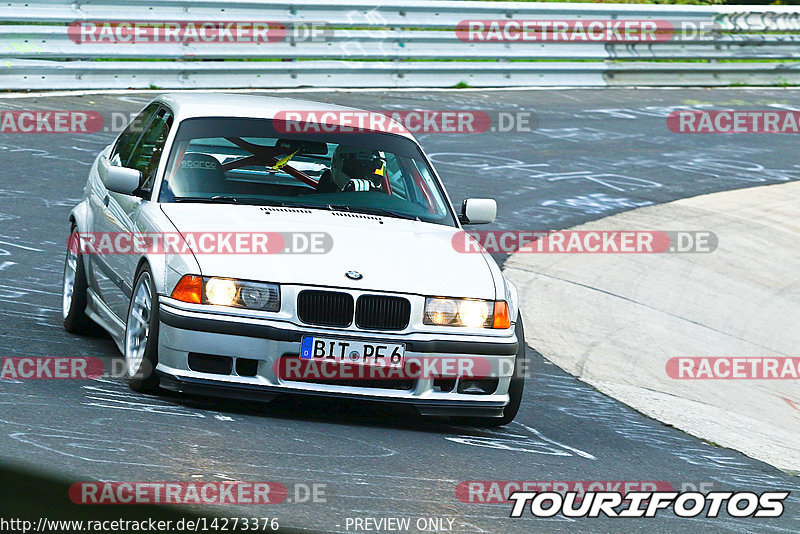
pixel 248 161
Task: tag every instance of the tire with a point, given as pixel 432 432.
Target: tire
pixel 74 289
pixel 515 389
pixel 140 346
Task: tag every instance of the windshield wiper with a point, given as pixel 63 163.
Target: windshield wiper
pixel 225 199
pixel 217 198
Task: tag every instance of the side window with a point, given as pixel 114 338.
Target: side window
pixel 422 185
pixel 147 154
pixel 121 152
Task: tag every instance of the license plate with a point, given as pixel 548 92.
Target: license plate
pixel 352 351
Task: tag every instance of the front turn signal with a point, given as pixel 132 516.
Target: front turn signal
pixel 189 289
pixel 501 318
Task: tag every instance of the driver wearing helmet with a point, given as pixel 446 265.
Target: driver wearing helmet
pixel 354 169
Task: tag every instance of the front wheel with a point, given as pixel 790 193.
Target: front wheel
pixel 141 334
pixel 514 389
pixel 518 378
pixel 74 289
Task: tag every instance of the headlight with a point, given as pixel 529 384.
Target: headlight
pixel 228 292
pixel 471 313
pixel 440 311
pixel 221 291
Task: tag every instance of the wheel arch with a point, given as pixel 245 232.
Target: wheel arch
pixel 512 298
pixel 158 266
pixel 80 217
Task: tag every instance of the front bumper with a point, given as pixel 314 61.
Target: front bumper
pixel 183 331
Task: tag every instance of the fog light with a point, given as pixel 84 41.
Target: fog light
pixel 484 386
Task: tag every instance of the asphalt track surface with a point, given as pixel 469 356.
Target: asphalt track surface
pixel 594 153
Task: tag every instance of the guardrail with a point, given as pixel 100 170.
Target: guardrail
pixel 399 43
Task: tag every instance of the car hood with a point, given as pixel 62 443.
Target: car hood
pixel 392 254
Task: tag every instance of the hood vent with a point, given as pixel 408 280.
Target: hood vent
pixel 356 215
pixel 268 210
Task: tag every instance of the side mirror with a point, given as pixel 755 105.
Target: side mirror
pixel 118 179
pixel 478 211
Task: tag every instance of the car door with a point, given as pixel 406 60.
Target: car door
pixel 104 282
pixel 120 210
